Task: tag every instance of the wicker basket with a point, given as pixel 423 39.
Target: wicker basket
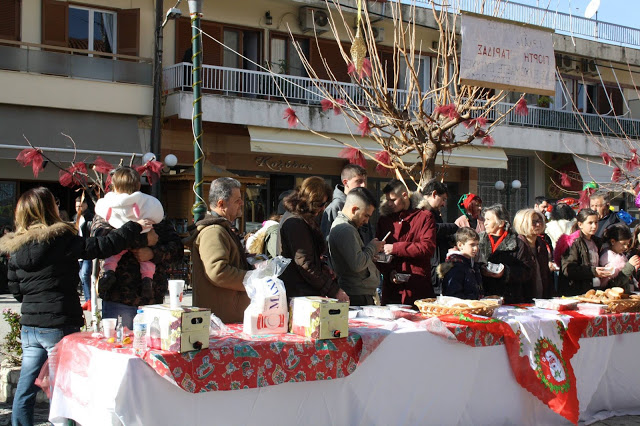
pixel 615 305
pixel 431 309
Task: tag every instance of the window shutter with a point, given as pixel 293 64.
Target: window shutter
pixel 330 52
pixel 212 51
pixel 129 32
pixel 10 19
pixel 55 23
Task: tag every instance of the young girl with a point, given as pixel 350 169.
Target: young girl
pixel 43 276
pixel 580 270
pixel 619 238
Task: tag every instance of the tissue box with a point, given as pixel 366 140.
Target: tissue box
pixel 181 329
pixel 319 317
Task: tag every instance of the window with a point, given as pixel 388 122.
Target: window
pixel 422 67
pixel 10 19
pixel 284 57
pixel 92 29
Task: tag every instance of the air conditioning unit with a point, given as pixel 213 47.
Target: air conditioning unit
pixel 588 66
pixel 564 62
pixel 314 19
pixel 378 34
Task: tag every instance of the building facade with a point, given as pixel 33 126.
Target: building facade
pixel 79 68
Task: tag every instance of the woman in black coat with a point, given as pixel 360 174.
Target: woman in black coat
pixel 43 276
pixel 499 245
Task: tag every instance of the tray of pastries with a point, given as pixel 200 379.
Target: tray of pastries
pixel 453 306
pixel 615 298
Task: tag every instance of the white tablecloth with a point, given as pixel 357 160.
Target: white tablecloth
pixel 412 378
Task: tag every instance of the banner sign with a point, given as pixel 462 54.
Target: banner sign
pixel 506 56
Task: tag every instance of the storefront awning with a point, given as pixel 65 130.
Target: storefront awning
pixel 111 136
pixel 593 169
pixel 296 142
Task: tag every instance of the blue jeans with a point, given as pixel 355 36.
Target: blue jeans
pixel 113 309
pixel 37 344
pixel 85 277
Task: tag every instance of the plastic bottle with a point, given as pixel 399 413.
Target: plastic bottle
pixel 139 333
pixel 119 330
pixel 154 334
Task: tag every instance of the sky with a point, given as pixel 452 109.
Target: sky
pixel 621 12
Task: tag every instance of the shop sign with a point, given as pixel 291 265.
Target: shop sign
pixel 279 164
pixel 505 56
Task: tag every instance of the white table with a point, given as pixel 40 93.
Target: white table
pixel 412 378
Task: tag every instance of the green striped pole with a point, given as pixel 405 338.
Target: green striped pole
pixel 195 9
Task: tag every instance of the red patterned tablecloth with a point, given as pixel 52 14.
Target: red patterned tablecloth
pixel 237 361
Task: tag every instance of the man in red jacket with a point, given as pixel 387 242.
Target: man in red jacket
pixel 411 241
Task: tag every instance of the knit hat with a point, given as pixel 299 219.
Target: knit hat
pixel 465 201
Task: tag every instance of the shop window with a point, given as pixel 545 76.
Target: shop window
pixel 514 199
pixel 10 19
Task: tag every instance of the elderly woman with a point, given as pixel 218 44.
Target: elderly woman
pixel 302 241
pixel 529 224
pixel 499 245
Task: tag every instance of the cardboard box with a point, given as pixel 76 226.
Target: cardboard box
pixel 319 317
pixel 181 330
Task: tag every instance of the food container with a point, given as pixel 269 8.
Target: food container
pixel 382 258
pixel 181 329
pixel 498 299
pixel 495 268
pixel 557 304
pixel 592 309
pixel 389 312
pixel 319 317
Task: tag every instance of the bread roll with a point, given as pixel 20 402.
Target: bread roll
pixel 590 293
pixel 618 290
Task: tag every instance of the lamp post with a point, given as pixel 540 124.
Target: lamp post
pixel 515 185
pixel 195 11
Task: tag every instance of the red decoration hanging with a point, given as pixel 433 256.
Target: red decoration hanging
pixel 384 158
pixel 326 104
pixel 354 156
pixel 521 107
pixel 448 111
pixel 616 175
pixel 76 175
pixel 364 127
pixel 606 158
pixel 365 71
pixel 337 109
pixel 488 140
pixel 291 117
pixel 102 166
pixel 31 156
pixel 564 180
pixel 151 169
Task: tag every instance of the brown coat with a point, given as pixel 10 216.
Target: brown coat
pixel 219 266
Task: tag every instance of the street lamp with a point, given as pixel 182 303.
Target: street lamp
pixel 195 10
pixel 156 118
pixel 515 185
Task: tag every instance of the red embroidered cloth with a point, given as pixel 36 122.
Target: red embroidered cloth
pixel 539 351
pixel 238 361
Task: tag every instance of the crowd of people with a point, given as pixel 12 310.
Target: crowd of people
pixel 410 254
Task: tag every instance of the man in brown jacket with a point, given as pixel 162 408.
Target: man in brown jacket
pixel 219 262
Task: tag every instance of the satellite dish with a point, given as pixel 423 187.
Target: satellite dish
pixel 592 9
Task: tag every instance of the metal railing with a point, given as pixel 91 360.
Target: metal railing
pixel 301 90
pixel 558 21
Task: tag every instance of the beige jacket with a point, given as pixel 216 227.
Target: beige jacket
pixel 219 266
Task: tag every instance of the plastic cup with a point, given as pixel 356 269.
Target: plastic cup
pixel 109 327
pixel 176 291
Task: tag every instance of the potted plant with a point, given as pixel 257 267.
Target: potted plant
pixel 544 101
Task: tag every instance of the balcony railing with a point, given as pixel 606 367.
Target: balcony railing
pixel 301 90
pixel 75 63
pixel 558 21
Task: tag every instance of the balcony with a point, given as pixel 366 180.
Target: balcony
pixel 560 22
pixel 300 90
pixel 74 63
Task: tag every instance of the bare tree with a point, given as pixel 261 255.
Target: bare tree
pixel 411 125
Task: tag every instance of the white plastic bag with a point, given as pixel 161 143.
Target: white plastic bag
pixel 268 312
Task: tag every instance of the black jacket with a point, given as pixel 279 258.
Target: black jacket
pixel 460 278
pixel 517 259
pixel 577 272
pixel 43 269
